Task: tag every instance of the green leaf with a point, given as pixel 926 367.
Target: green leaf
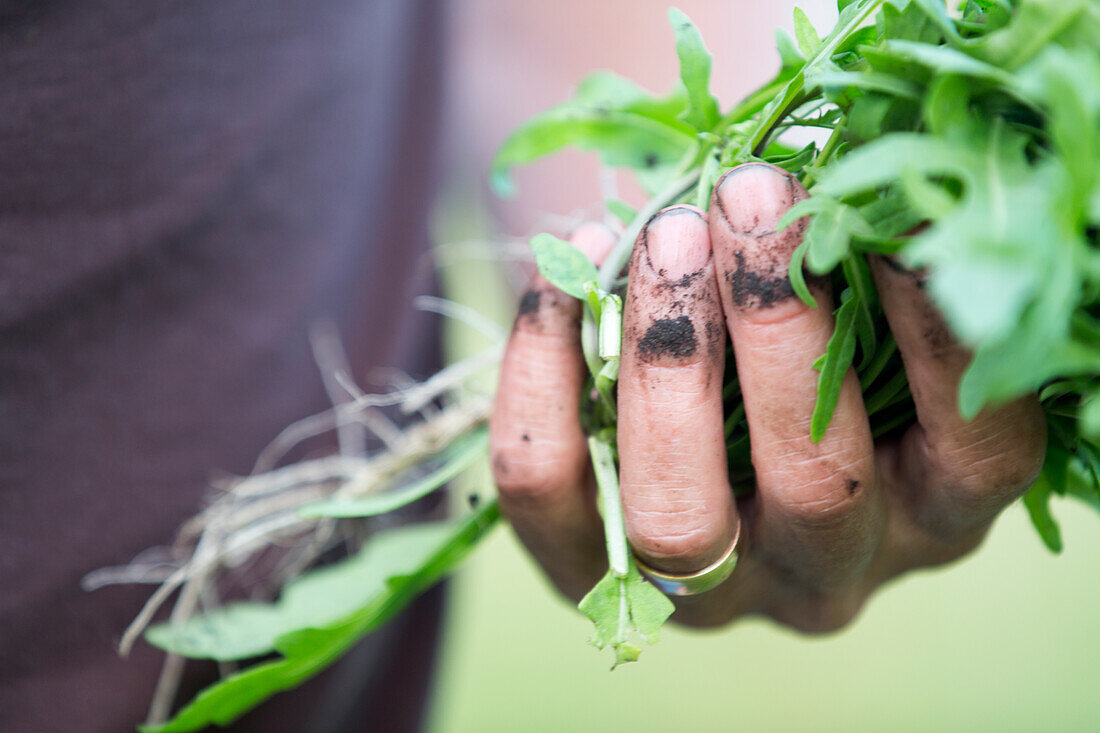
pixel 808 41
pixel 457 457
pixel 1034 24
pixel 945 60
pixel 563 265
pixel 829 239
pixel 869 80
pixel 886 159
pixel 937 13
pixel 858 274
pixel 907 21
pixel 624 609
pixel 708 176
pixel 314 600
pixel 695 63
pixel 789 55
pixel 928 200
pixel 1090 414
pixel 837 360
pixel 798 277
pixel 829 232
pixel 628 127
pixel 306 650
pixel 1037 503
pixel 1088 489
pixel 793 161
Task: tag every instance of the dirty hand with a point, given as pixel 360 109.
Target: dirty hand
pixel 830 521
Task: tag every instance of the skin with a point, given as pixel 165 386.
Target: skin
pixel 830 522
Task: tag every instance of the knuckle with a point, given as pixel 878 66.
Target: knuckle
pixel 524 473
pixel 988 485
pixel 826 501
pixel 671 543
pixel 983 478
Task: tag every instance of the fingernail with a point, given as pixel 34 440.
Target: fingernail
pixel 678 242
pixel 753 197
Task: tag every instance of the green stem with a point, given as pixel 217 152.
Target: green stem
pixel 614 529
pixel 757 101
pixel 882 398
pixel 827 151
pixel 734 419
pixel 885 351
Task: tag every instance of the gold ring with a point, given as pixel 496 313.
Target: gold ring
pixel 698 582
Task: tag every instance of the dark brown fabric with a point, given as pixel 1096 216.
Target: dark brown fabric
pixel 186 186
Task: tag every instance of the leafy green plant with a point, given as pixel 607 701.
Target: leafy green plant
pixel 964 141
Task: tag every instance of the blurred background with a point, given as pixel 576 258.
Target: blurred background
pixel 1008 640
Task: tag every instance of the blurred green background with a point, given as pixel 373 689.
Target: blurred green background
pixel 1006 640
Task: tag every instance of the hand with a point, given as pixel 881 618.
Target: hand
pixel 830 521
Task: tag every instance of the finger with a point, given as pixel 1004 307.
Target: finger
pixel 959 473
pixel 538 450
pixel 677 501
pixel 817 510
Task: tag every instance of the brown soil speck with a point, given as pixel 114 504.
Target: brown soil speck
pixel 529 303
pixel 672 336
pixel 763 289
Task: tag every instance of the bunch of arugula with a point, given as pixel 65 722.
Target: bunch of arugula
pixel 976 126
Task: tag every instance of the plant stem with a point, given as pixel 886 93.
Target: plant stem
pixel 607 478
pixel 827 151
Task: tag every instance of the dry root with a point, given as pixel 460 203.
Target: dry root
pixel 251 514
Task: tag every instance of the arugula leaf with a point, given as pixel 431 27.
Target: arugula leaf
pixel 1037 503
pixel 808 41
pixel 937 13
pixel 306 650
pixel 622 608
pixel 695 63
pixel 565 266
pixel 789 55
pixel 1034 24
pixel 869 80
pixel 945 60
pixel 858 275
pixel 628 127
pixel 798 277
pixel 834 366
pixel 317 599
